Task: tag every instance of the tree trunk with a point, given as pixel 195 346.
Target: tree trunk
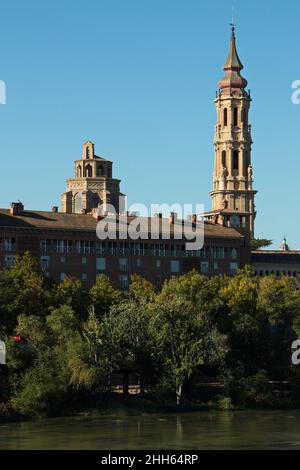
pixel 178 394
pixel 125 383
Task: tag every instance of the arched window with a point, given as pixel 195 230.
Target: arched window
pixel 235 116
pixel 100 171
pixel 88 171
pixel 79 171
pixel 77 203
pixel 244 117
pixel 235 163
pixel 87 153
pixel 95 200
pixel 225 117
pixel 223 157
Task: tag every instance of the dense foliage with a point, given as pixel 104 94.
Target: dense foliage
pixel 258 243
pixel 65 345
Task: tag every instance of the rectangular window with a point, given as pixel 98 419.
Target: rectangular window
pixel 63 246
pixel 138 263
pixel 157 263
pixel 204 252
pixel 62 276
pixel 84 277
pixel 100 248
pixel 100 264
pixel 45 245
pixel 218 252
pixel 83 260
pixel 123 281
pixel 235 116
pixel 9 261
pixel 158 279
pixel 45 262
pixel 123 248
pixel 175 267
pixel 10 244
pixel 63 259
pixel 84 246
pixel 123 262
pixel 235 163
pixel 233 268
pixel 216 265
pixel 112 247
pixel 204 267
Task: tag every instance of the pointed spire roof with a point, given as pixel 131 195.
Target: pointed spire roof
pixel 233 61
pixel 232 67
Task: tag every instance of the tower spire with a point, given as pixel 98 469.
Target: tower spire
pixel 233 195
pixel 233 66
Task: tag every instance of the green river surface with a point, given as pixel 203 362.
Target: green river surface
pixel 195 430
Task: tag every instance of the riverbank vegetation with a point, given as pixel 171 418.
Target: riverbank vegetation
pixel 220 342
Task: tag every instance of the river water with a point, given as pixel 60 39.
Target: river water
pixel 197 430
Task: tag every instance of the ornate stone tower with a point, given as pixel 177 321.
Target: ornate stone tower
pixel 232 195
pixel 93 184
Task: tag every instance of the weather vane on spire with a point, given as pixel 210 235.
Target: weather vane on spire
pixel 232 20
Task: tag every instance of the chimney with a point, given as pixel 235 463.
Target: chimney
pixel 54 209
pixel 172 217
pixel 96 213
pixel 16 208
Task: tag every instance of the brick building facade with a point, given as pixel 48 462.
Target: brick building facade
pixel 67 245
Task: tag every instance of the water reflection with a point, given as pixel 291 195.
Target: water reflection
pixel 222 430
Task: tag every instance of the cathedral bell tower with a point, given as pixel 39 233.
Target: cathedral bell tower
pixel 93 185
pixel 232 195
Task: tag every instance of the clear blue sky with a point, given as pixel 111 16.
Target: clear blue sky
pixel 138 77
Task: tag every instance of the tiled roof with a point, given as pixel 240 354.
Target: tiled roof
pixel 85 222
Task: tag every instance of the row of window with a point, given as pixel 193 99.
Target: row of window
pixel 125 248
pixel 205 267
pixel 123 267
pixel 235 159
pixel 87 171
pixel 101 263
pixel 235 116
pixel 278 273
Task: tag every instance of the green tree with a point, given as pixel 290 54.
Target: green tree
pixel 246 326
pixel 22 291
pixel 42 387
pixel 182 344
pixel 103 295
pixel 90 360
pixel 258 243
pixel 127 331
pixel 70 292
pixel 279 300
pixel 140 289
pixel 192 287
pixel 63 322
